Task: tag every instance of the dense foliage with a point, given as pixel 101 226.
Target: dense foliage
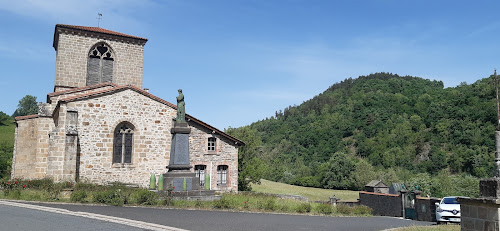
pixel 380 126
pixel 27 106
pixel 4 118
pixel 6 150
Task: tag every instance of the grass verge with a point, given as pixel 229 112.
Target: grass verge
pixel 118 195
pixel 314 194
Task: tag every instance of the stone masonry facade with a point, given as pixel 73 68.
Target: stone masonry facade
pixel 73 46
pixel 72 137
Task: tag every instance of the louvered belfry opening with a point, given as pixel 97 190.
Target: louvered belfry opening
pixel 100 64
pixel 123 143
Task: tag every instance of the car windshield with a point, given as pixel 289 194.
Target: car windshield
pixel 450 200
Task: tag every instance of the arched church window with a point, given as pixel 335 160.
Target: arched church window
pixel 100 64
pixel 123 143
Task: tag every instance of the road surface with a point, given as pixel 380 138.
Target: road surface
pixel 77 216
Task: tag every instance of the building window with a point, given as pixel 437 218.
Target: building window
pixel 100 64
pixel 123 143
pixel 200 173
pixel 211 144
pixel 222 175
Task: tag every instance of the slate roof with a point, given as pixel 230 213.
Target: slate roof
pixel 376 183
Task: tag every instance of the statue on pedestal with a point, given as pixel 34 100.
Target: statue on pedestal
pixel 181 108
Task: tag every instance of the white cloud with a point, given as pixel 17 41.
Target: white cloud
pixel 115 12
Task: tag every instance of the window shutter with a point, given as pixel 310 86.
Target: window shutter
pixel 128 148
pixel 107 70
pixel 93 71
pixel 117 149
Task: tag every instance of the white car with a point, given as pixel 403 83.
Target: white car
pixel 448 210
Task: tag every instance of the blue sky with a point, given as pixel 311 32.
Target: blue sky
pixel 239 61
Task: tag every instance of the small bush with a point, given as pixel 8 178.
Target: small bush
pixel 362 210
pixel 303 208
pixel 284 208
pixel 343 209
pixel 223 203
pixel 324 209
pixel 14 194
pixel 53 191
pixel 143 197
pixel 78 196
pixel 270 204
pixel 109 197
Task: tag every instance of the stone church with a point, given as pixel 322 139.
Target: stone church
pixel 100 126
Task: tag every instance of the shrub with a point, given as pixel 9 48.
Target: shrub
pixel 53 191
pixel 40 183
pixel 109 197
pixel 270 205
pixel 223 203
pixel 143 197
pixel 343 209
pixel 324 209
pixel 14 194
pixel 362 210
pixel 284 208
pixel 303 208
pixel 78 196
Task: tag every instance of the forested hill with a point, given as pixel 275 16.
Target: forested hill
pixel 380 126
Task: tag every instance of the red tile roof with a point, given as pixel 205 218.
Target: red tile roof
pixel 25 117
pixel 118 88
pixel 79 89
pixel 99 30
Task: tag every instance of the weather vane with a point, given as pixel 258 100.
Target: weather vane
pixel 99 17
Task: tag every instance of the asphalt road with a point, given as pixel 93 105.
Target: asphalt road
pixel 221 220
pixel 15 218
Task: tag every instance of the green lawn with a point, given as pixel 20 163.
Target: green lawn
pixel 7 133
pixel 314 194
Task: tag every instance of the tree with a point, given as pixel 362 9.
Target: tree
pixel 4 118
pixel 5 159
pixel 250 167
pixel 27 106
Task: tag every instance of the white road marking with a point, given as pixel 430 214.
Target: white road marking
pixel 118 220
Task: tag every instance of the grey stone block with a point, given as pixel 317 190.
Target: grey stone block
pixel 489 187
pixel 473 212
pixel 479 224
pixel 464 210
pixel 490 226
pixel 468 223
pixel 492 214
pixel 482 213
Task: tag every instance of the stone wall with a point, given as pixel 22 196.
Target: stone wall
pixel 152 120
pixel 31 148
pixel 72 55
pixel 382 204
pixel 478 214
pixel 225 154
pixel 426 208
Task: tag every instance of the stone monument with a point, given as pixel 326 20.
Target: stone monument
pixel 179 177
pixel 483 213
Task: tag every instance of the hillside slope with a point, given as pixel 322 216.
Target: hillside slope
pixel 6 148
pixel 380 126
